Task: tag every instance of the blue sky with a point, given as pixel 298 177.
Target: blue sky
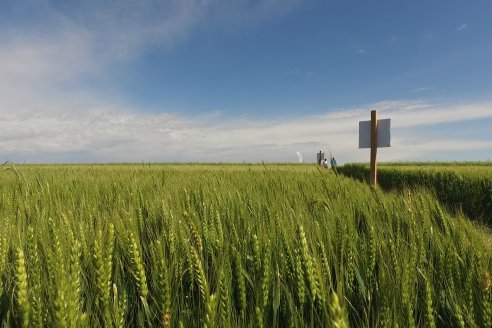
pixel 211 80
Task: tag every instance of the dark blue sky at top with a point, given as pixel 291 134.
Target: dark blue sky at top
pixel 316 57
pixel 321 56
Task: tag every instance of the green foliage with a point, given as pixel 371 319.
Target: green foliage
pixel 462 187
pixel 231 246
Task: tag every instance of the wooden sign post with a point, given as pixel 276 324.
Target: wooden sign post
pixel 374 147
pixel 319 157
pixel 373 134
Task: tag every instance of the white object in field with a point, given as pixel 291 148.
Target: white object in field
pixel 299 157
pixel 384 135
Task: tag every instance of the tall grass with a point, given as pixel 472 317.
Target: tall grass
pixel 464 188
pixel 263 247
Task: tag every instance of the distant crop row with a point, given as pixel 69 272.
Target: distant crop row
pixel 458 190
pixel 135 246
pixel 440 164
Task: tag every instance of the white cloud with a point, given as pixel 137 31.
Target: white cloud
pixel 91 37
pixel 32 61
pixel 462 27
pixel 119 134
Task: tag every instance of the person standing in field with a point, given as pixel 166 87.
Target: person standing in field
pixel 325 163
pixel 333 163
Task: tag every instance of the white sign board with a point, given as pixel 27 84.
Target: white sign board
pixel 384 137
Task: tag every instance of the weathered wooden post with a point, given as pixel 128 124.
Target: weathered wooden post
pixel 374 148
pixel 319 157
pixel 373 134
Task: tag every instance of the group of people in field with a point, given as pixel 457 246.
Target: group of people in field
pixel 333 163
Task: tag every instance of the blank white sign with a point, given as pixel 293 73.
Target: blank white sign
pixel 384 136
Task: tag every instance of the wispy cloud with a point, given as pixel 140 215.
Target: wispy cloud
pixel 462 27
pixel 394 38
pixel 422 89
pixel 361 51
pixel 122 134
pixel 86 39
pixel 31 58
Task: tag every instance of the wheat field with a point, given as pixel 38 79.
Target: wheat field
pixel 232 246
